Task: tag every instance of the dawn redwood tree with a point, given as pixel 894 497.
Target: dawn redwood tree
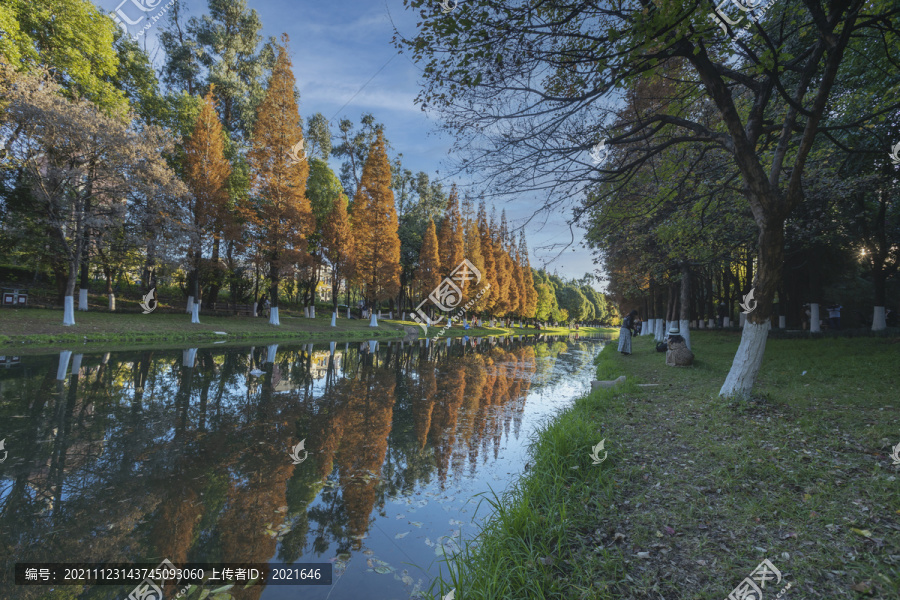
pixel 529 88
pixel 451 240
pixel 206 173
pixel 278 212
pixel 528 278
pixel 500 300
pixel 374 219
pixel 75 159
pixel 428 273
pixel 338 246
pixel 487 252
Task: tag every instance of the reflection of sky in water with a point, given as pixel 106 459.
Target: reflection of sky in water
pixel 144 455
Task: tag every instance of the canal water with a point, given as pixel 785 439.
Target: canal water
pixel 188 455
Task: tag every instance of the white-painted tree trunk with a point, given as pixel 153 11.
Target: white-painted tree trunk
pixel 112 302
pixel 195 312
pixel 660 330
pixel 273 316
pixel 312 311
pixel 334 319
pixel 747 360
pixel 403 316
pixel 647 327
pixel 782 322
pixel 742 320
pixel 348 312
pixel 391 315
pixel 69 310
pixel 879 323
pixel 465 321
pixel 373 322
pixel 372 346
pixel 63 366
pixel 190 305
pixel 701 324
pixel 331 348
pixel 255 307
pixel 814 325
pixel 82 299
pixel 726 322
pixel 448 341
pixel 105 360
pixel 305 312
pixel 271 352
pixel 712 323
pixel 685 326
pixel 76 363
pixel 188 357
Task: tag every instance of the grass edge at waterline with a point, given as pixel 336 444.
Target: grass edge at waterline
pixel 520 551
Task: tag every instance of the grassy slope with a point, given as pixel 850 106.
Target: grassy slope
pixel 708 488
pixel 44 328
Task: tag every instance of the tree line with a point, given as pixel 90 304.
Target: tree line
pixel 707 158
pixel 204 174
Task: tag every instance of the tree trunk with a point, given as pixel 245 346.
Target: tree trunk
pixel 216 284
pixel 878 280
pixel 273 291
pixel 748 359
pixel 684 322
pixel 69 299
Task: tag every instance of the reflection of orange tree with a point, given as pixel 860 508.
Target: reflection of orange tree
pixel 451 389
pixel 367 424
pixel 423 403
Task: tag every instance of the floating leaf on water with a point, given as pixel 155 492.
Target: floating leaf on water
pixel 224 588
pixel 400 517
pixel 407 580
pixel 370 564
pixel 416 523
pixel 455 522
pixel 429 543
pixel 368 552
pixel 400 536
pixel 382 570
pixel 439 550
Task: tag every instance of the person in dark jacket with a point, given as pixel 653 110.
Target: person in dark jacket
pixel 626 331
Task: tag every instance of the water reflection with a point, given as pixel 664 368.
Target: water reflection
pixel 143 455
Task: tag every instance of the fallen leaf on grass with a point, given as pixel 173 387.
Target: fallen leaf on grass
pixel 863 532
pixel 669 530
pixel 863 587
pixel 643 555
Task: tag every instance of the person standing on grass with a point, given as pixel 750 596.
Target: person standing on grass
pixel 625 333
pixel 261 310
pixel 834 316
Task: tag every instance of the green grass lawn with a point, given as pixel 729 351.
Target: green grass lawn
pixel 696 490
pixel 43 328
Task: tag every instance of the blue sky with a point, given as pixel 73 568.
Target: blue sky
pixel 337 46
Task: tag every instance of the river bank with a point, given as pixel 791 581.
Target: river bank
pixel 697 491
pixel 38 329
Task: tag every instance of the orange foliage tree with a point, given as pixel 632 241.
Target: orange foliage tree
pixel 428 273
pixel 339 249
pixel 279 213
pixel 375 225
pixel 206 174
